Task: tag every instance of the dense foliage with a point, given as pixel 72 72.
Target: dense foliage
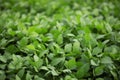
pixel 59 39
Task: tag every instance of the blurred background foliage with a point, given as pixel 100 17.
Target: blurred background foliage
pixel 59 39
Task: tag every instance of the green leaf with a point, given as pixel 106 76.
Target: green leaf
pixel 114 74
pixel 56 61
pixel 99 79
pixel 11 49
pixel 11 32
pixel 100 36
pixel 96 50
pixel 28 76
pixel 30 47
pixel 93 63
pixel 15 58
pixel 36 58
pixel 44 68
pixel 3 66
pixel 68 77
pixel 82 71
pixel 2 75
pixel 68 47
pixel 23 42
pixel 70 35
pixel 16 63
pixel 41 30
pixel 54 73
pixel 106 60
pixel 37 64
pixel 76 47
pixel 17 77
pixel 3 59
pixel 38 78
pixel 99 70
pixel 71 64
pixel 67 71
pixel 89 53
pixel 3 43
pixel 108 27
pixel 11 66
pixel 60 39
pixel 21 73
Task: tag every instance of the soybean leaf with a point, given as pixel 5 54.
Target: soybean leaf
pixel 17 77
pixel 99 70
pixel 68 47
pixel 60 39
pixel 28 76
pixel 96 50
pixel 76 47
pixel 3 59
pixel 82 71
pixel 71 64
pixel 30 47
pixel 21 73
pixel 106 60
pixel 2 75
pixel 56 61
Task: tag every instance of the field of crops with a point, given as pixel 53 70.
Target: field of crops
pixel 59 39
